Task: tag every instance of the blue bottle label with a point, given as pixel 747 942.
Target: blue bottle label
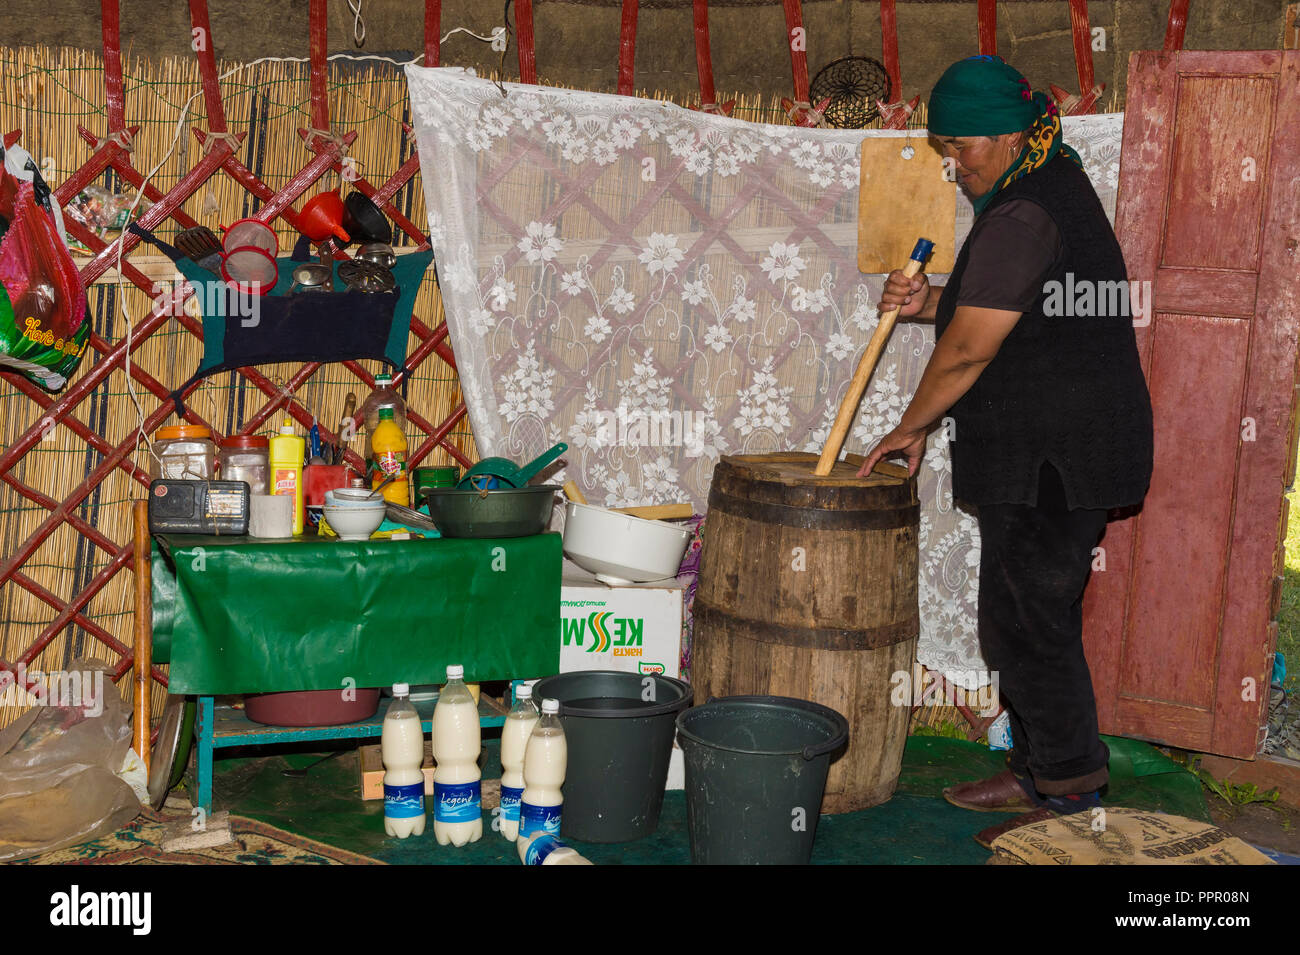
pixel 404 802
pixel 510 798
pixel 538 819
pixel 457 802
pixel 540 848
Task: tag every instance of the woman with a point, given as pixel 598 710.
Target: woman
pixel 1051 417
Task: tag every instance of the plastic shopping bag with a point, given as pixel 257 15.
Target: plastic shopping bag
pixel 59 763
pixel 44 322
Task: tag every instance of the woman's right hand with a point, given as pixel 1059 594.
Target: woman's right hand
pixel 909 295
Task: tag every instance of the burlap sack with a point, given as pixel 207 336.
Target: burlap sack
pixel 1124 837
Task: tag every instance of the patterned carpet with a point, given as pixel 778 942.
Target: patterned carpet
pixel 254 843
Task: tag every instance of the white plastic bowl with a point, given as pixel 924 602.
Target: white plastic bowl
pixel 622 549
pixel 354 523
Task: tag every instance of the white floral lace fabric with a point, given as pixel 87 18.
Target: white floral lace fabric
pixel 657 287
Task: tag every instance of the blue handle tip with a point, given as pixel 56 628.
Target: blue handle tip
pixel 922 250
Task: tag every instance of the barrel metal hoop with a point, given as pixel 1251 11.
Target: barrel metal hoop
pixel 814 519
pixel 813 638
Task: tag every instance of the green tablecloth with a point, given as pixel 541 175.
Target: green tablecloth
pixel 237 615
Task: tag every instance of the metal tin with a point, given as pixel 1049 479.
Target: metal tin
pixel 446 476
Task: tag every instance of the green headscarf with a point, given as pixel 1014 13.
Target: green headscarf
pixel 985 96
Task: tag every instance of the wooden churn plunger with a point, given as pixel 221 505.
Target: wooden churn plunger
pixel 849 406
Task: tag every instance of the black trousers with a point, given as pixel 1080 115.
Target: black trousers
pixel 1034 563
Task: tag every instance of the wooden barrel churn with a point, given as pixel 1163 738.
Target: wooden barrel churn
pixel 808 588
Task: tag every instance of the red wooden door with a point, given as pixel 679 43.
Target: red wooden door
pixel 1179 627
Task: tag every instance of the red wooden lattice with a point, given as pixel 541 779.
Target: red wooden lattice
pixel 895 114
pixel 988 27
pixel 113 151
pixel 1177 27
pixel 704 63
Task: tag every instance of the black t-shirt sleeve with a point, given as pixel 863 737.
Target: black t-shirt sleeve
pixel 1013 250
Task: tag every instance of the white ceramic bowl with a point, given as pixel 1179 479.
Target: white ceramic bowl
pixel 355 523
pixel 622 549
pixel 352 497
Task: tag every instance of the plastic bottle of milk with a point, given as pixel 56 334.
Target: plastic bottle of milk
pixel 542 848
pixel 402 746
pixel 514 740
pixel 457 794
pixel 545 759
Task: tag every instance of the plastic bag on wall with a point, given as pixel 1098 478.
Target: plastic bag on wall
pixel 44 322
pixel 59 763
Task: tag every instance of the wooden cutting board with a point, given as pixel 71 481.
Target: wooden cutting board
pixel 900 199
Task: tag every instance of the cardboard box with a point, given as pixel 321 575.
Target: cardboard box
pixel 636 628
pixel 372 771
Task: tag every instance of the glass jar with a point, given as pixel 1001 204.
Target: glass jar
pixel 184 451
pixel 246 458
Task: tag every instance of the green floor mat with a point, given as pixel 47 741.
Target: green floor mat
pixel 916 827
pixel 1141 777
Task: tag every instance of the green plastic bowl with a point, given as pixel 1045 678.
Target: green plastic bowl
pixel 504 512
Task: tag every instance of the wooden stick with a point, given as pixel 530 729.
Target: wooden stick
pixel 657 512
pixel 574 493
pixel 143 653
pixel 867 365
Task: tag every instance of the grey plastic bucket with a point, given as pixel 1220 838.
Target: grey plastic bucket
pixel 756 770
pixel 619 728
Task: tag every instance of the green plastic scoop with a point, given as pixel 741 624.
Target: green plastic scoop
pixel 509 473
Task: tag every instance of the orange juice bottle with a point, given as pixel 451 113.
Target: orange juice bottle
pixel 389 457
pixel 286 457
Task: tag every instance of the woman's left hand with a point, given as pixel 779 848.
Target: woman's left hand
pixel 910 441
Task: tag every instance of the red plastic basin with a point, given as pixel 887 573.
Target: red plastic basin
pixel 310 707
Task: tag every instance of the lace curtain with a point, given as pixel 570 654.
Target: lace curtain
pixel 657 287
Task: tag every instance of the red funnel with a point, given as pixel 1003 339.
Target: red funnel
pixel 322 217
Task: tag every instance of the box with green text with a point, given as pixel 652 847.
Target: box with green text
pixel 634 627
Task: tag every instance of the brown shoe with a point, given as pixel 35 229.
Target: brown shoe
pixel 1000 793
pixel 986 836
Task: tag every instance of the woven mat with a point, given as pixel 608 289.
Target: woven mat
pixel 1123 837
pixel 254 843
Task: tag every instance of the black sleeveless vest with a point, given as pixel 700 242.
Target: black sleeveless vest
pixel 1066 386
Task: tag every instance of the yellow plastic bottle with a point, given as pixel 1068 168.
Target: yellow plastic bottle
pixel 389 449
pixel 287 450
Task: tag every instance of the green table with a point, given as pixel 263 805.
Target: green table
pixel 235 615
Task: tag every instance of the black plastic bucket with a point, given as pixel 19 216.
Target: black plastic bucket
pixel 755 773
pixel 619 727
